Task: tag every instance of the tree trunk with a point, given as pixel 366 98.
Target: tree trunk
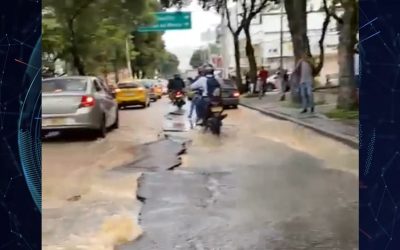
pixel 297 18
pixel 115 65
pixel 250 55
pixel 76 59
pixel 237 63
pixel 347 40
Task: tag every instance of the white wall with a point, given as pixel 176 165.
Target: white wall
pixel 266 35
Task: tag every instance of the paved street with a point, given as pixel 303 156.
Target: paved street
pixel 265 184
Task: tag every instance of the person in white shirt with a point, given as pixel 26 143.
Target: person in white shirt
pixel 203 83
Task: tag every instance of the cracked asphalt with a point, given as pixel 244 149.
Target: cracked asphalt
pixel 264 184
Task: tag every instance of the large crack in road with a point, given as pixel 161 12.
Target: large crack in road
pixel 286 203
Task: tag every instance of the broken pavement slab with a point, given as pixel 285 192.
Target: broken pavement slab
pixel 159 155
pixel 201 209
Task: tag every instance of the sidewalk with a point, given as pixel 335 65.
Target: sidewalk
pixel 346 132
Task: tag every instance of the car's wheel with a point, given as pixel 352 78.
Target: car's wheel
pixel 102 131
pixel 235 106
pixel 116 124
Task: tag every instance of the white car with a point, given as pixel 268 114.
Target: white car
pixel 273 80
pixel 164 85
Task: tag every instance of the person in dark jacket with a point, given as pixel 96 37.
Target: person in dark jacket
pixel 174 85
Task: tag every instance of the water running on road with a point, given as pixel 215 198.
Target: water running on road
pixel 87 205
pixel 103 210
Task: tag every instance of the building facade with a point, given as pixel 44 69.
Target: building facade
pixel 269 29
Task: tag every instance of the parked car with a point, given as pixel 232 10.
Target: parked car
pixel 131 93
pixel 230 94
pixel 154 88
pixel 78 103
pixel 272 82
pixel 164 86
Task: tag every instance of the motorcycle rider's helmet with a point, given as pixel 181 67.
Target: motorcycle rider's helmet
pixel 208 69
pixel 200 71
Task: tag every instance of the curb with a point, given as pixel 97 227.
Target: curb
pixel 349 141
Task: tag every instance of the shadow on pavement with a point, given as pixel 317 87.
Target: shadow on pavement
pixel 68 136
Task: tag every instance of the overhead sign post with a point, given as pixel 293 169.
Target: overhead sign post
pixel 169 21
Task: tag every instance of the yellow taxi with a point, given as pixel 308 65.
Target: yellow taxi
pixel 131 93
pixel 158 89
pixel 154 87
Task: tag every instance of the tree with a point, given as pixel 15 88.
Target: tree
pixel 89 29
pixel 348 29
pixel 169 64
pixel 297 18
pixel 199 57
pixel 150 50
pixel 251 8
pixel 148 47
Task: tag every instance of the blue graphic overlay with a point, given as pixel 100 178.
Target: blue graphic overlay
pixel 20 60
pixel 380 125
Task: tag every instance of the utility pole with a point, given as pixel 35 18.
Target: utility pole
pixel 128 58
pixel 281 43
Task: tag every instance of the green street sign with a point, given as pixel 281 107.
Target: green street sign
pixel 169 21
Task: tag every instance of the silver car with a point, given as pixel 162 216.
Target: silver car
pixel 76 103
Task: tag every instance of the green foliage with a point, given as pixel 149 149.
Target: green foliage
pixel 169 65
pixel 91 34
pixel 341 114
pixel 198 58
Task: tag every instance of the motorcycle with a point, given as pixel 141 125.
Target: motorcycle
pixel 215 117
pixel 179 99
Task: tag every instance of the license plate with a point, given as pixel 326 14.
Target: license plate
pixel 56 122
pixel 216 109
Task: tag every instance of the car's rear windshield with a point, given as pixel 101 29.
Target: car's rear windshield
pixel 128 85
pixel 64 85
pixel 228 84
pixel 147 84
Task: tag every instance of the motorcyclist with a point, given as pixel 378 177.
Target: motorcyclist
pixel 196 96
pixel 211 90
pixel 174 85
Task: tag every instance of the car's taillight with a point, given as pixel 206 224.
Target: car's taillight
pixel 87 101
pixel 236 94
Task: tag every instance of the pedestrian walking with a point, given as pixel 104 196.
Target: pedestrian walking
pixel 260 88
pixel 248 85
pixel 263 75
pixel 283 79
pixel 304 69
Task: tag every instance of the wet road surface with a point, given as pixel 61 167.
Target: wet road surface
pixel 264 184
pixel 86 205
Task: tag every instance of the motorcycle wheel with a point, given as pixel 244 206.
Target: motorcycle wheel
pixel 215 126
pixel 179 104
